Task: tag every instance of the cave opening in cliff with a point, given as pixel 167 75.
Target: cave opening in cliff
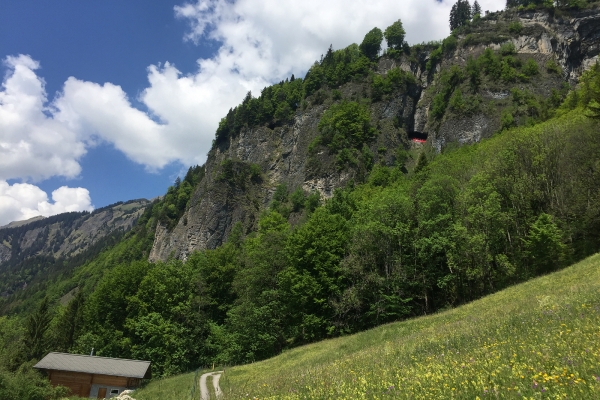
pixel 419 137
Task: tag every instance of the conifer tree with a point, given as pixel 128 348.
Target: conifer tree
pixel 36 326
pixel 460 14
pixel 476 9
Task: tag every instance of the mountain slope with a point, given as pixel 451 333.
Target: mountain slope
pixel 537 338
pixel 452 92
pixel 34 250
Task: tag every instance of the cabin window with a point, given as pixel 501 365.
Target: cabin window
pixel 114 391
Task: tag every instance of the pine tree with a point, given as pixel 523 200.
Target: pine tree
pixel 71 322
pixel 476 9
pixel 35 330
pixel 460 14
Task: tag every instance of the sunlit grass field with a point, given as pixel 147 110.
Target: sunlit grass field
pixel 175 388
pixel 537 340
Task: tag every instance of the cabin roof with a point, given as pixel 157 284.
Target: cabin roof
pixel 95 365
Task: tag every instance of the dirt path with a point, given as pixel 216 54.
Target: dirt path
pixel 204 393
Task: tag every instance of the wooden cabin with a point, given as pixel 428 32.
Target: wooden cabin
pixel 94 377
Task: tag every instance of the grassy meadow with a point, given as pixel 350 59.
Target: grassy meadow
pixel 175 388
pixel 536 340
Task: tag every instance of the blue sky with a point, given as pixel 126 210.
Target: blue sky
pixel 103 101
pixel 104 41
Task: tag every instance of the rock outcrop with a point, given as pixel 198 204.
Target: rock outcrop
pixel 66 235
pixel 282 153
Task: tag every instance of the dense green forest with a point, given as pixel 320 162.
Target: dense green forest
pixel 401 242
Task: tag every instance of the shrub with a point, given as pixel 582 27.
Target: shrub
pixel 507 120
pixel 449 44
pixel 531 68
pixel 553 67
pixel 298 199
pixel 434 58
pixel 346 125
pixel 507 49
pixel 515 27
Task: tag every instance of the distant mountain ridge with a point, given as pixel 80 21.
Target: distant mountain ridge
pixel 28 247
pixel 15 224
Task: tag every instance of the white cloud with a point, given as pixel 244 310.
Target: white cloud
pixel 33 145
pixel 22 201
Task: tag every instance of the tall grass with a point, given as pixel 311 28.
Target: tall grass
pixel 174 388
pixel 540 339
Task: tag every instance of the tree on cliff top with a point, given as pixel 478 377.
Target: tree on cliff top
pixel 394 35
pixel 460 14
pixel 371 44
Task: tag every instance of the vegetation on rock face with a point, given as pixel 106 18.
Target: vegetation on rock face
pixel 458 92
pixel 173 205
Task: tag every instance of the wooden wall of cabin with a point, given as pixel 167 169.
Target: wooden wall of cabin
pixel 80 383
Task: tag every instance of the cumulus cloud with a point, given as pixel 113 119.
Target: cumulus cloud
pixel 22 201
pixel 33 145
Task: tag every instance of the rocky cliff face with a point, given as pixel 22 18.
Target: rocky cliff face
pixel 282 153
pixel 571 40
pixel 65 235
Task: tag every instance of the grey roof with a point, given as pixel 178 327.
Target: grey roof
pixel 95 365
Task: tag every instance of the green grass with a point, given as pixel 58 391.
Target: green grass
pixel 539 339
pixel 175 388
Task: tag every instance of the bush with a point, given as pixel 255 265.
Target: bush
pixel 531 68
pixel 507 121
pixel 553 67
pixel 346 125
pixel 434 58
pixel 298 199
pixel 312 201
pixel 507 49
pixel 449 44
pixel 515 27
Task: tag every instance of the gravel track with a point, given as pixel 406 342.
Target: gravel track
pixel 204 393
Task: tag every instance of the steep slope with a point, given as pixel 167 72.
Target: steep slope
pixel 538 338
pixel 34 249
pixel 430 90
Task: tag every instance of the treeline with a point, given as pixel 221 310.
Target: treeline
pixel 464 224
pixel 277 104
pixel 533 4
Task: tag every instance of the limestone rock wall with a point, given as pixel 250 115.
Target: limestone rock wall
pixel 282 152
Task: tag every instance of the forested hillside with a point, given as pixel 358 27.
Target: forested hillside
pixel 345 223
pixel 34 252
